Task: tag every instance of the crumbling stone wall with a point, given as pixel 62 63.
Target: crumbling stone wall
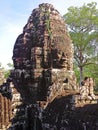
pixel 66 113
pixel 9 100
pixel 5 109
pixel 2 79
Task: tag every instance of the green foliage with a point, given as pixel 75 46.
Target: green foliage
pixel 83 23
pixel 47 15
pixel 92 71
pixel 48 27
pixel 6 73
pixel 10 65
pixel 77 73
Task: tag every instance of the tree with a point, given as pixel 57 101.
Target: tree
pixel 7 71
pixel 10 65
pixel 83 26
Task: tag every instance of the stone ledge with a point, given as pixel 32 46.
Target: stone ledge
pixel 81 102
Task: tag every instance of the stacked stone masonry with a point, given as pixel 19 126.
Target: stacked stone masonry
pixel 42 52
pixel 42 92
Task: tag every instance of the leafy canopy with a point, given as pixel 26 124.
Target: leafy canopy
pixel 82 23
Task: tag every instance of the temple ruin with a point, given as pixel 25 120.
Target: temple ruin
pixel 42 89
pixel 43 55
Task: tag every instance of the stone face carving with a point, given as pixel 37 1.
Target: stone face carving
pixel 43 83
pixel 43 49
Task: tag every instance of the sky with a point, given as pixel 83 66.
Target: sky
pixel 14 15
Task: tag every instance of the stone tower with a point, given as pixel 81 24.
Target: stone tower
pixel 41 91
pixel 43 55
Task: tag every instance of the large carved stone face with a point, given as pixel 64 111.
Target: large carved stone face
pixel 44 45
